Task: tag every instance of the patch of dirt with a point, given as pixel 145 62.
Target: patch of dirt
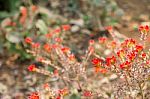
pixel 134 7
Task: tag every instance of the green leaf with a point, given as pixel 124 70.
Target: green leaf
pixel 14 37
pixel 42 26
pixel 75 96
pixel 50 69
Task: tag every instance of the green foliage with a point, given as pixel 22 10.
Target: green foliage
pixel 9 7
pixel 41 26
pixel 75 96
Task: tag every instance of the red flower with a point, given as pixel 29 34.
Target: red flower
pixel 109 28
pixel 131 56
pixel 144 29
pixel 110 60
pixel 141 28
pixel 31 67
pixel 91 42
pixel 58 30
pixel 28 40
pixel 10 23
pixel 130 42
pixel 55 46
pixel 113 44
pixel 34 95
pixel 139 48
pixel 124 65
pixel 103 70
pixel 40 59
pixel 96 61
pixel 63 92
pixel 71 57
pixel 36 45
pixel 66 27
pixel 58 97
pixel 87 93
pixel 91 35
pixel 143 55
pixel 34 8
pixel 65 49
pixel 147 28
pixel 97 69
pixel 55 72
pixel 58 39
pixel 102 39
pixel 121 53
pixel 23 11
pixel 148 62
pixel 47 47
pixel 49 35
pixel 46 86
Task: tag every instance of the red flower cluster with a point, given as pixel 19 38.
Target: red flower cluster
pixel 34 95
pixel 66 27
pixel 131 56
pixel 31 67
pixel 126 65
pixel 47 47
pixel 121 54
pixel 65 49
pixel 113 44
pixel 58 30
pixel 143 55
pixel 58 39
pixel 71 57
pixel 97 65
pixel 63 92
pixel 144 29
pixel 139 48
pixel 91 42
pixel 110 60
pixel 102 39
pixel 128 43
pixel 49 35
pixel 96 61
pixel 109 28
pixel 36 45
pixel 87 93
pixel 28 40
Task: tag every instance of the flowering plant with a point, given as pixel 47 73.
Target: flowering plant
pixel 123 72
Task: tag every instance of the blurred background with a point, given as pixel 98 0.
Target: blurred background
pixel 88 19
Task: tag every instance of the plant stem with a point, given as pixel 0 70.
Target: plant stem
pixel 142 94
pixel 128 85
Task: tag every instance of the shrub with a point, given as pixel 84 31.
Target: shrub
pixel 122 71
